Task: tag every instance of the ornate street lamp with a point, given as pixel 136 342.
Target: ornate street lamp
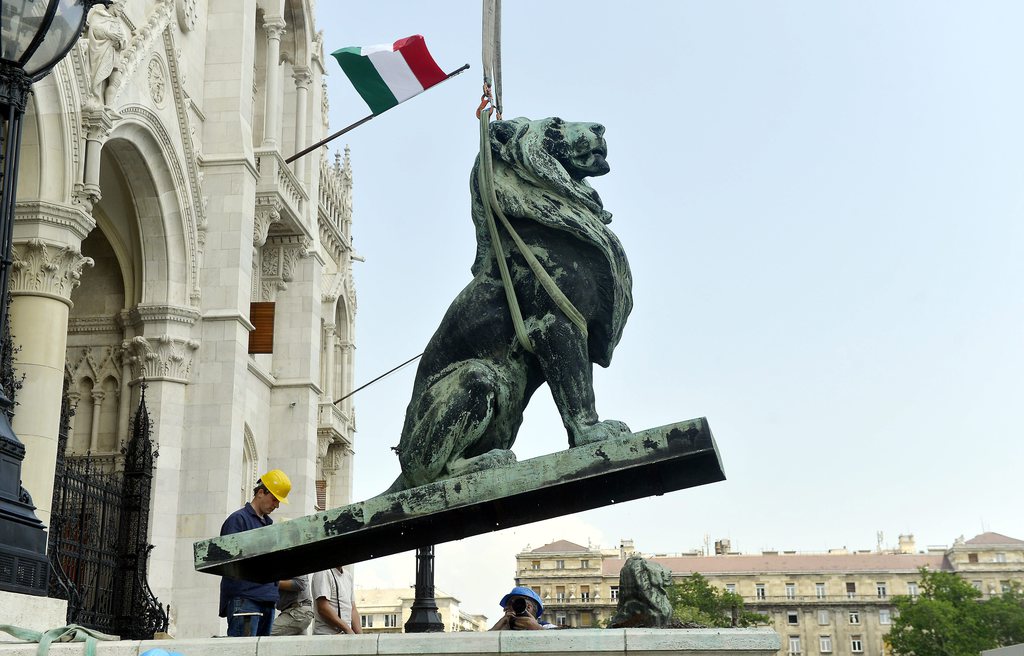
pixel 34 36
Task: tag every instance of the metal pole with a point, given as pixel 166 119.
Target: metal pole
pixel 425 617
pixel 309 149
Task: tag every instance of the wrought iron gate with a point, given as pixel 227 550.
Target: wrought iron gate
pixel 98 547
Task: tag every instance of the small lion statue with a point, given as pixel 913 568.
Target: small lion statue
pixel 476 378
pixel 643 595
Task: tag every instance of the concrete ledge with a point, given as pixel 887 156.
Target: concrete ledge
pixel 31 612
pixel 634 642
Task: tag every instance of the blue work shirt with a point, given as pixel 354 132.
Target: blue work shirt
pixel 245 519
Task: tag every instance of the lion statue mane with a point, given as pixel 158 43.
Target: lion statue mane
pixel 643 595
pixel 475 378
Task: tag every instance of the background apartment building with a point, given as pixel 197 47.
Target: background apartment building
pixel 386 610
pixel 837 603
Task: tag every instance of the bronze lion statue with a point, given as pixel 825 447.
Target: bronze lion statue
pixel 643 595
pixel 476 378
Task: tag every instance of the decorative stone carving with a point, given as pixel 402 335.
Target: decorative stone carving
pixel 156 81
pixel 147 313
pixel 106 38
pixel 161 358
pixel 186 10
pixel 39 269
pixel 96 363
pixel 266 214
pixel 45 216
pixel 278 259
pixel 142 43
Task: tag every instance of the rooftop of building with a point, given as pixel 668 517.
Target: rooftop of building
pixel 790 563
pixel 994 539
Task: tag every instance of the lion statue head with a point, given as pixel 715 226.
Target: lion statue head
pixel 539 175
pixel 643 595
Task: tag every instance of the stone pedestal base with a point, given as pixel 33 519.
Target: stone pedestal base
pixel 607 642
pixel 31 612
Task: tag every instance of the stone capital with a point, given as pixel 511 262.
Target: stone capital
pixel 302 76
pixel 161 358
pixel 97 122
pixel 41 269
pixel 274 26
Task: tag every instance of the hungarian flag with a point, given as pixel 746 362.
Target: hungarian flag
pixel 389 74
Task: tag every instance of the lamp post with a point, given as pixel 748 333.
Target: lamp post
pixel 34 36
pixel 424 616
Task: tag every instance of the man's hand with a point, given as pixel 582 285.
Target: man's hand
pixel 516 622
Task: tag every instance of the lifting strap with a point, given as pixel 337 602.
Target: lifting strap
pixel 491 54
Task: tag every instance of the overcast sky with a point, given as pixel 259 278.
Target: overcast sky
pixel 821 203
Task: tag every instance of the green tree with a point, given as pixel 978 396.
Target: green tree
pixel 695 601
pixel 949 619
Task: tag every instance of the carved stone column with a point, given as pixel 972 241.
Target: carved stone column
pixel 43 276
pixel 302 78
pixel 329 341
pixel 94 432
pixel 97 124
pixel 274 27
pixel 165 353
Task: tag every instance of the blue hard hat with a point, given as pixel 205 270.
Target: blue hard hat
pixel 523 591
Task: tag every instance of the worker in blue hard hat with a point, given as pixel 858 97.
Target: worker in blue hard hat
pixel 523 609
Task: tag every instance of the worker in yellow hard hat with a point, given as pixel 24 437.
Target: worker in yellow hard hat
pixel 249 607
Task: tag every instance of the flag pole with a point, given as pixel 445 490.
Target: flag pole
pixel 306 151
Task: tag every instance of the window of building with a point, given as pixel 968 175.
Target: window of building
pixel 759 590
pixel 884 616
pixel 824 617
pixel 1000 558
pixel 912 590
pixel 792 617
pixel 1004 586
pixel 791 591
pixel 977 585
pixel 559 564
pixel 560 620
pixel 391 620
pixel 856 646
pixel 584 564
pixel 730 587
pixel 585 594
pixel 794 644
pixel 825 644
pixel 854 617
pixel 535 564
pixel 615 592
pixel 261 339
pixel 851 589
pixel 881 589
pixel 972 557
pixel 560 593
pixel 586 619
pixel 366 621
pixel 819 590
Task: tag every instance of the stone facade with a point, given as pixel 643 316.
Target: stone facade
pixel 837 603
pixel 154 207
pixel 386 610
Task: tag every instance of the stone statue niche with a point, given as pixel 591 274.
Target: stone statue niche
pixel 476 376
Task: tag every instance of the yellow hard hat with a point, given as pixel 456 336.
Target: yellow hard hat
pixel 278 483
